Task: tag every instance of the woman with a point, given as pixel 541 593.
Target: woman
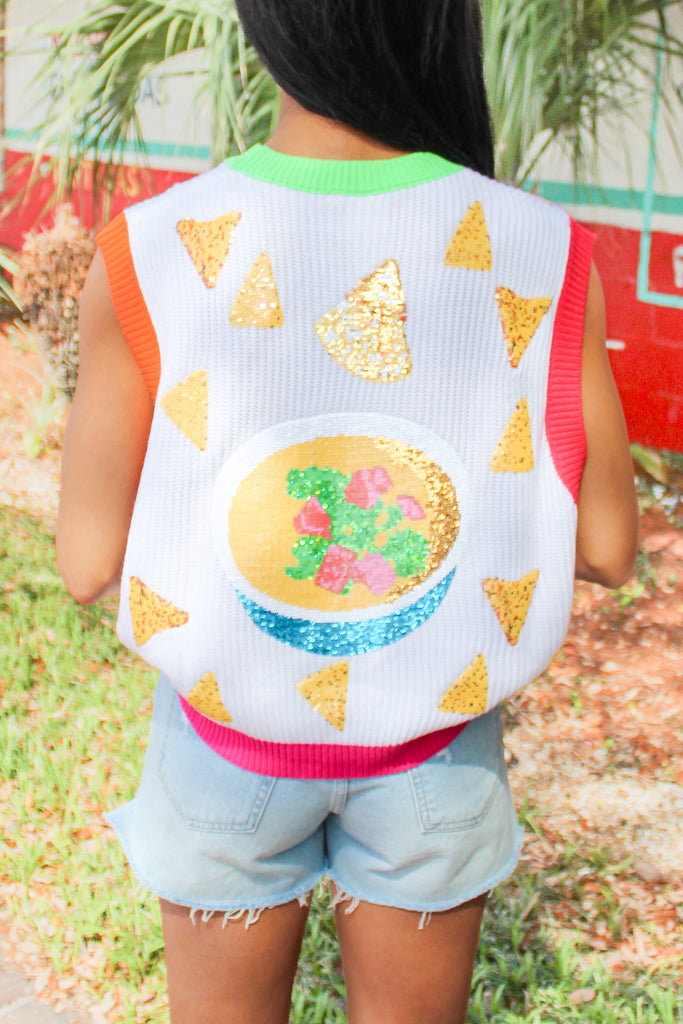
pixel 385 438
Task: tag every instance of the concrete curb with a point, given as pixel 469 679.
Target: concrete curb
pixel 18 1003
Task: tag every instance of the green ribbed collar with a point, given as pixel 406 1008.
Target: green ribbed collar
pixel 341 177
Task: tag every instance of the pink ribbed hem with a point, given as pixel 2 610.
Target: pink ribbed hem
pixel 315 760
pixel 564 415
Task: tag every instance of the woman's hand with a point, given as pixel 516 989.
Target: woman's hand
pixel 104 448
pixel 608 530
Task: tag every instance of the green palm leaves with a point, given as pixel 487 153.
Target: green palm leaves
pixel 110 49
pixel 554 68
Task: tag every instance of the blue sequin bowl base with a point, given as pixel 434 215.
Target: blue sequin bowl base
pixel 346 638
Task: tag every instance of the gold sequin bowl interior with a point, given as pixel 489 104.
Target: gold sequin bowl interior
pixel 340 533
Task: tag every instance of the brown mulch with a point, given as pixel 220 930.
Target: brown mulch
pixel 595 745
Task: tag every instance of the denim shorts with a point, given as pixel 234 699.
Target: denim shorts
pixel 205 834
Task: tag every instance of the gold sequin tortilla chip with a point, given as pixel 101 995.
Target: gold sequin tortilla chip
pixel 469 693
pixel 206 699
pixel 470 246
pixel 150 613
pixel 187 406
pixel 520 319
pixel 510 600
pixel 326 691
pixel 257 303
pixel 365 334
pixel 208 243
pixel 514 452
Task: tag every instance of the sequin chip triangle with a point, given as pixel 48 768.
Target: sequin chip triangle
pixel 208 243
pixel 257 303
pixel 326 690
pixel 510 600
pixel 365 334
pixel 514 452
pixel 206 699
pixel 520 319
pixel 469 693
pixel 187 406
pixel 150 613
pixel 470 246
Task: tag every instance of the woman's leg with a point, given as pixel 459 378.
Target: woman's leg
pixel 232 975
pixel 397 973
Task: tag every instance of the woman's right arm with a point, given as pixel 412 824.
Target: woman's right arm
pixel 608 529
pixel 104 448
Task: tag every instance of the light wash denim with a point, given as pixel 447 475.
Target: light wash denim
pixel 205 834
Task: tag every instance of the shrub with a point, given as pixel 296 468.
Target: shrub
pixel 52 268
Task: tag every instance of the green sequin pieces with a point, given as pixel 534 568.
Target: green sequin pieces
pixel 327 485
pixel 309 553
pixel 408 550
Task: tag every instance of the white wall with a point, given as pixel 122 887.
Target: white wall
pixel 169 120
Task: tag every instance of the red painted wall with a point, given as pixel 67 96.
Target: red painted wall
pixel 20 213
pixel 649 370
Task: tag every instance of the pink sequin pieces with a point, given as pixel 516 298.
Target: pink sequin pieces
pixel 375 572
pixel 335 570
pixel 313 520
pixel 410 508
pixel 367 486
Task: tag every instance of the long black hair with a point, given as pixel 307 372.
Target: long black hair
pixel 406 72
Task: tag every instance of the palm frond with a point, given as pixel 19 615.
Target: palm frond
pixel 110 49
pixel 554 70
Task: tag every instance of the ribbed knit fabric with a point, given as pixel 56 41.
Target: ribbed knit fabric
pixel 128 300
pixel 341 177
pixel 308 761
pixel 563 418
pixel 347 351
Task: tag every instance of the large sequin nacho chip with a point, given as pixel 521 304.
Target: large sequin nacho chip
pixel 365 334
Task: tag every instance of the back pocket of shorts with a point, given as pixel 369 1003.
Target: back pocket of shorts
pixel 454 789
pixel 209 793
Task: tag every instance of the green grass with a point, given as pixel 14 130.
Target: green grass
pixel 74 715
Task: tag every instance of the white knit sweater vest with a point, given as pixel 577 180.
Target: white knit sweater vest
pixel 355 526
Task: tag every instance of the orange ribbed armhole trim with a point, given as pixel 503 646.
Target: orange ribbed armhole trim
pixel 114 244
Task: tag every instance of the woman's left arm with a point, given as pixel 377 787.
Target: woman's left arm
pixel 104 448
pixel 608 519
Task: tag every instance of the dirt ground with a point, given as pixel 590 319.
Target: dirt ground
pixel 595 745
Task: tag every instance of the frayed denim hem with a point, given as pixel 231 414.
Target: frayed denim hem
pixel 250 914
pixel 342 894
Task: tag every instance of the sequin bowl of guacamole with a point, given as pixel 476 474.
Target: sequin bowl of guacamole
pixel 340 534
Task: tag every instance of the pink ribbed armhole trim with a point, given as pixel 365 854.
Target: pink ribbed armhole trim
pixel 564 415
pixel 315 760
pixel 114 243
